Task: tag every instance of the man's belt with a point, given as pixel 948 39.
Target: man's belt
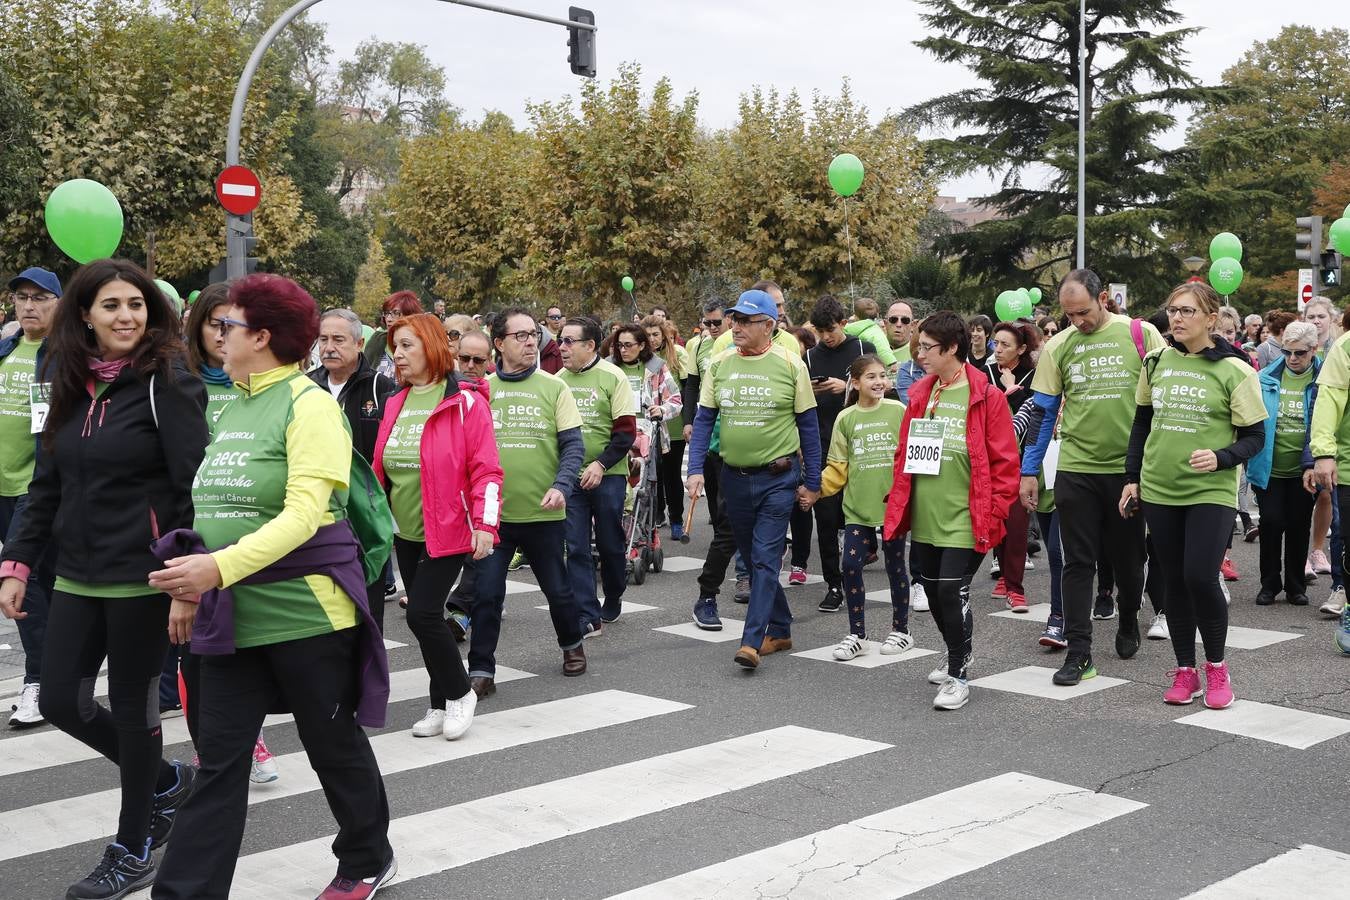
pixel 773 467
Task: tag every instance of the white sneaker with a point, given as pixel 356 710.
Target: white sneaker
pixel 430 725
pixel 952 695
pixel 1335 603
pixel 1030 566
pixel 896 642
pixel 938 676
pixel 850 647
pixel 1158 631
pixel 459 716
pixel 26 713
pixel 918 598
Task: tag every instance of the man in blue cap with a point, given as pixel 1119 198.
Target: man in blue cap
pixel 33 294
pixel 762 395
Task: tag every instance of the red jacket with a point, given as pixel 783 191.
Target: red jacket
pixel 461 474
pixel 993 461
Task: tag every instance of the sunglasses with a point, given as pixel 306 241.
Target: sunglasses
pixel 452 334
pixel 712 323
pixel 554 317
pixel 898 320
pixel 569 341
pixel 742 319
pixel 1297 354
pixel 473 360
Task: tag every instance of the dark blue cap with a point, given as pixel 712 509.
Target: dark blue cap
pixel 39 276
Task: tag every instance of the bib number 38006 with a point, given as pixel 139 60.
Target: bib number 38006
pixel 923 449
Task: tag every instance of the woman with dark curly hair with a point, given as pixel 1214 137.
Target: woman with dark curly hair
pixel 122 441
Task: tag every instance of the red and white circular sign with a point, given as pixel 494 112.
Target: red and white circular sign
pixel 238 190
pixel 1305 293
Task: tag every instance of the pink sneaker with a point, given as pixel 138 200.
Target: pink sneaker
pixel 797 576
pixel 1218 690
pixel 264 769
pixel 1320 564
pixel 1000 591
pixel 1185 686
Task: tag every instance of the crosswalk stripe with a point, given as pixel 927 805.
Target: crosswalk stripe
pixel 60 823
pixel 1308 872
pixel 909 848
pixel 1295 728
pixel 444 839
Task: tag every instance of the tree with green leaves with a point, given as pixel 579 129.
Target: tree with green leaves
pixel 1021 123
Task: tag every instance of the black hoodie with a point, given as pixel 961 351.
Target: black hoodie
pixel 118 474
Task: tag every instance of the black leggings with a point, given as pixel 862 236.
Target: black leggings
pixel 1190 541
pixel 428 579
pixel 945 573
pixel 132 633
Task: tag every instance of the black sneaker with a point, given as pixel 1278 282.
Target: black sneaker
pixel 1104 608
pixel 610 610
pixel 834 598
pixel 168 803
pixel 1265 597
pixel 1076 668
pixel 117 874
pixel 1127 635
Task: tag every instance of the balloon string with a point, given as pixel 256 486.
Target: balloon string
pixel 848 244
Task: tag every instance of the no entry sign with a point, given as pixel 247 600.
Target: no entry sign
pixel 238 190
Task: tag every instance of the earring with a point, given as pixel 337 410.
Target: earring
pixel 89 325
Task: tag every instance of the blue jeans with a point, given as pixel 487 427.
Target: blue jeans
pixel 1337 547
pixel 759 506
pixel 543 544
pixel 603 505
pixel 37 597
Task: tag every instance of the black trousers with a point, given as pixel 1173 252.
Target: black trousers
pixel 723 545
pixel 133 634
pixel 828 513
pixel 427 580
pixel 1286 519
pixel 670 489
pixel 946 573
pixel 316 678
pixel 1090 524
pixel 1190 541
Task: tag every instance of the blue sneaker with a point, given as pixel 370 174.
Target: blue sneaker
pixel 1343 633
pixel 118 873
pixel 677 532
pixel 1053 636
pixel 166 805
pixel 705 614
pixel 459 624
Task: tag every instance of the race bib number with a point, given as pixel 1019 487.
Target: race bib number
pixel 39 403
pixel 923 450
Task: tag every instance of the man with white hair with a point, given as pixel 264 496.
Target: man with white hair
pixel 1251 330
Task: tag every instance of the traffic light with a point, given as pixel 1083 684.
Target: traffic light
pixel 1331 268
pixel 581 42
pixel 1308 239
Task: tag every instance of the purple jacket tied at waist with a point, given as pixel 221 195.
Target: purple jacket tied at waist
pixel 334 552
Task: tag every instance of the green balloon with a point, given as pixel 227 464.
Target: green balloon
pixel 1225 246
pixel 366 331
pixel 170 293
pixel 627 283
pixel 1346 214
pixel 1012 305
pixel 1340 235
pixel 84 219
pixel 1035 295
pixel 846 174
pixel 192 297
pixel 1225 275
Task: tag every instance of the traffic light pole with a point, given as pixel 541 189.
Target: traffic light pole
pixel 239 228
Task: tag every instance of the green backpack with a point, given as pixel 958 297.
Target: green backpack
pixel 373 522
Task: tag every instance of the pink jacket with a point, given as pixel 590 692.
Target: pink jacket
pixel 461 474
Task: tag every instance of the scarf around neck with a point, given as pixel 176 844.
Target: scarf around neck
pixel 107 371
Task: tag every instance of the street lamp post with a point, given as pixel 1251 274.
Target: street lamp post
pixel 1082 130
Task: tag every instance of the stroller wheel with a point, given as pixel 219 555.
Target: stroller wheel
pixel 658 559
pixel 639 573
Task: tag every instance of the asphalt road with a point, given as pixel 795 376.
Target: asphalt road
pixel 665 758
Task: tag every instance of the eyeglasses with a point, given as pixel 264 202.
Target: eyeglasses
pixel 712 323
pixel 224 325
pixel 928 348
pixel 628 345
pixel 1181 312
pixel 452 334
pixel 523 337
pixel 742 319
pixel 1297 354
pixel 467 360
pixel 569 341
pixel 393 314
pixel 898 320
pixel 18 298
pixel 555 316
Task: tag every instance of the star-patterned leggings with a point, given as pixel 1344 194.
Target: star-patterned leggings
pixel 860 542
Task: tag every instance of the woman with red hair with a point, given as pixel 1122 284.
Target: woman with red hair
pixel 437 457
pixel 379 349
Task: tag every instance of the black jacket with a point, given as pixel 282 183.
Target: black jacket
pixel 113 480
pixel 833 362
pixel 362 399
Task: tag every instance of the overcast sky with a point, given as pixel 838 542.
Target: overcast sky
pixel 721 48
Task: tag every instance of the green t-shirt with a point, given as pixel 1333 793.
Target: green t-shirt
pixel 1096 374
pixel 603 396
pixel 1197 405
pixel 941 502
pixel 287 426
pixel 217 395
pixel 636 373
pixel 17 447
pixel 403 460
pixel 1291 428
pixel 528 415
pixel 902 354
pixel 757 399
pixel 1336 374
pixel 865 439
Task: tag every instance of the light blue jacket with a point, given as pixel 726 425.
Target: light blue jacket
pixel 1258 467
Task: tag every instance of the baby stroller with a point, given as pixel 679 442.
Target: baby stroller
pixel 640 528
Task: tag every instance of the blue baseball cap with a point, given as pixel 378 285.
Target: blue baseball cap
pixel 756 303
pixel 39 276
